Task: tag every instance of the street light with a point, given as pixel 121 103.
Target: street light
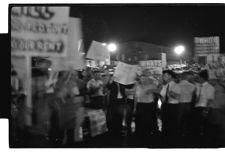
pixel 179 50
pixel 112 47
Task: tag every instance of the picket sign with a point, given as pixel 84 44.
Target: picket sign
pixel 97 51
pixel 37 31
pixel 125 73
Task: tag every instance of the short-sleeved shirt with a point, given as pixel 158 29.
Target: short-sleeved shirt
pixel 187 90
pixel 206 93
pixel 142 94
pixel 173 86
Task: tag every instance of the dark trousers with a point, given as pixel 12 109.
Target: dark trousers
pixel 184 112
pixel 145 119
pixel 97 102
pixel 170 118
pixel 121 110
pixel 199 121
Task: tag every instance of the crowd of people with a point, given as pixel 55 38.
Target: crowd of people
pixel 187 104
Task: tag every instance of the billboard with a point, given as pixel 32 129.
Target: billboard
pixel 206 45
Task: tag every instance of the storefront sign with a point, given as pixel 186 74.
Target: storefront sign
pixel 39 30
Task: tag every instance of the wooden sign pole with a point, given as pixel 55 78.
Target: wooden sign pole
pixel 28 118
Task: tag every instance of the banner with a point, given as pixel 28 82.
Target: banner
pixel 39 30
pixel 153 66
pixel 97 51
pixel 206 45
pixel 216 70
pixel 125 73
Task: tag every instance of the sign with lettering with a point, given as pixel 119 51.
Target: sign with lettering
pixel 39 30
pixel 153 66
pixel 97 51
pixel 206 45
pixel 125 73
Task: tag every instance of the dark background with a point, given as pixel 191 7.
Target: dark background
pixel 161 24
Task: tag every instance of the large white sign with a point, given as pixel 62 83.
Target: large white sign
pixel 206 45
pixel 39 30
pixel 125 73
pixel 97 51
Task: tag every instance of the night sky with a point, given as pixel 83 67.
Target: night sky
pixel 165 25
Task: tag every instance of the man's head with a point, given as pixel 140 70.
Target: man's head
pixel 203 76
pixel 97 75
pixel 168 75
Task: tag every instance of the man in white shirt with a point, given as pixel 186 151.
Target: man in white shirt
pixel 170 93
pixel 187 90
pixel 205 96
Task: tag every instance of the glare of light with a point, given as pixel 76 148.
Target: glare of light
pixel 159 104
pixel 112 47
pixel 49 69
pixel 104 44
pixel 179 50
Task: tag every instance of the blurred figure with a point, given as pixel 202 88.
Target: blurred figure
pixel 146 120
pixel 205 97
pixel 171 94
pixel 184 108
pixel 216 121
pixel 95 89
pixel 117 104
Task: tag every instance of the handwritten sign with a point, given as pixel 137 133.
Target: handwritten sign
pixel 97 51
pixel 125 73
pixel 39 30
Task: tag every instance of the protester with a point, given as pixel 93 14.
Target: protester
pixel 185 102
pixel 146 121
pixel 117 105
pixel 95 89
pixel 171 94
pixel 216 124
pixel 205 97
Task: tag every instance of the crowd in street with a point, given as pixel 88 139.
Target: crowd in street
pixel 186 104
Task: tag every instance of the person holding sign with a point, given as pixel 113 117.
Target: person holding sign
pixel 117 105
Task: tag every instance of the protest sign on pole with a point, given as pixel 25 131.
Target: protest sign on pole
pixel 74 59
pixel 97 51
pixel 39 30
pixel 125 73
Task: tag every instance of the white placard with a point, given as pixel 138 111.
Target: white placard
pixel 98 51
pixel 125 73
